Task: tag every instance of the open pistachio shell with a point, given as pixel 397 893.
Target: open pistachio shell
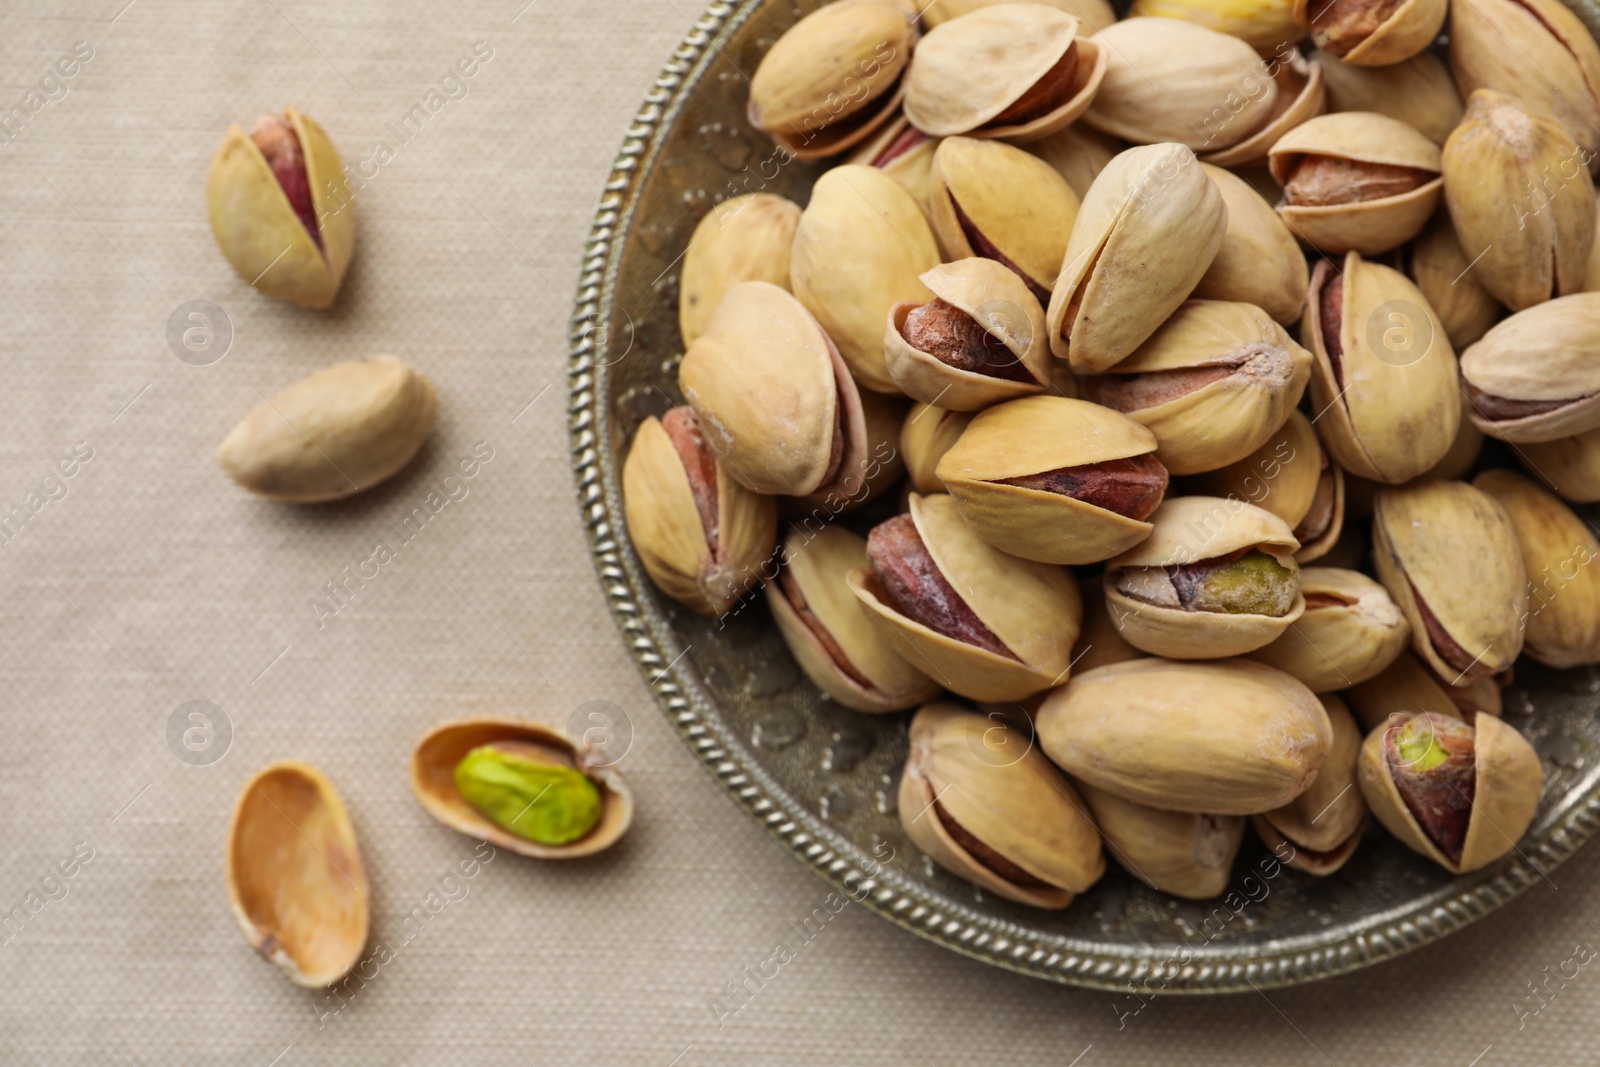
pixel 1032 609
pixel 260 232
pixel 1533 377
pixel 1101 513
pixel 926 436
pixel 1301 97
pixel 1183 853
pixel 1094 14
pixel 1345 28
pixel 744 239
pixel 905 154
pixel 1210 535
pixel 1350 632
pixel 985 804
pixel 1268 26
pixel 440 750
pixel 1259 262
pixel 1230 737
pixel 1324 823
pixel 1441 269
pixel 1506 778
pixel 1079 153
pixel 1448 555
pixel 1569 465
pixel 1417 91
pixel 295 876
pixel 1289 475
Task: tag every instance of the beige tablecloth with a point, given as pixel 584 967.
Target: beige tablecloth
pixel 136 579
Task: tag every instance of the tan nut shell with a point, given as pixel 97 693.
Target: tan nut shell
pixel 926 436
pixel 1507 784
pixel 1440 269
pixel 1031 436
pixel 992 296
pixel 1094 14
pixel 912 163
pixel 1544 353
pixel 1078 153
pixel 1189 529
pixel 1230 737
pixel 1285 476
pixel 1409 29
pixel 1178 852
pixel 1301 97
pixel 868 471
pixel 1100 643
pixel 1033 608
pixel 1338 645
pixel 1147 231
pixel 1429 535
pixel 745 239
pixel 1324 823
pixel 1268 26
pixel 342 430
pixel 295 876
pixel 1417 91
pixel 1403 687
pixel 1388 414
pixel 1560 554
pixel 970 69
pixel 260 233
pixel 1570 466
pixel 998 788
pixel 1259 262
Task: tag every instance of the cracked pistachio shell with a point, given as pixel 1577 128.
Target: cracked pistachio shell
pixel 1518 189
pixel 1259 262
pixel 1100 643
pixel 295 876
pixel 258 230
pixel 1543 357
pixel 1229 737
pixel 987 779
pixel 1094 14
pixel 1301 97
pixel 1168 80
pixel 1409 28
pixel 1291 476
pixel 1079 153
pixel 766 385
pixel 1417 91
pixel 1429 535
pixel 996 299
pixel 1536 50
pixel 1368 226
pixel 1221 421
pixel 1323 823
pixel 1569 465
pixel 1560 554
pixel 1268 26
pixel 969 70
pixel 861 245
pixel 905 154
pixel 870 470
pixel 1437 264
pixel 1148 229
pixel 1351 631
pixel 992 199
pixel 1386 381
pixel 1190 529
pixel 1031 436
pixel 1406 685
pixel 745 239
pixel 661 498
pixel 833 78
pixel 1033 608
pixel 342 430
pixel 1179 852
pixel 841 651
pixel 441 750
pixel 1507 781
pixel 926 436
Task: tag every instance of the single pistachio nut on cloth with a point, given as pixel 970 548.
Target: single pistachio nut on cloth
pixel 743 239
pixel 1533 378
pixel 1351 631
pixel 1323 825
pixel 281 210
pixel 1184 853
pixel 1372 33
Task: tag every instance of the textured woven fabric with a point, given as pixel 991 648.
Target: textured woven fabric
pixel 136 579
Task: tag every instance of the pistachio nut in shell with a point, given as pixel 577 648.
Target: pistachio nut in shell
pixel 1184 853
pixel 342 430
pixel 295 876
pixel 1168 80
pixel 1229 737
pixel 435 782
pixel 905 154
pixel 1350 632
pixel 1464 451
pixel 1056 480
pixel 1418 91
pixel 1533 377
pixel 1383 374
pixel 833 77
pixel 981 623
pixel 1426 537
pixel 981 800
pixel 1521 198
pixel 1259 262
pixel 1372 33
pixel 1268 26
pixel 1213 383
pixel 979 341
pixel 744 239
pixel 1301 97
pixel 994 200
pixel 1356 181
pixel 1094 14
pixel 926 436
pixel 874 468
pixel 860 247
pixel 772 395
pixel 1461 794
pixel 1443 273
pixel 1148 229
pixel 1569 465
pixel 1323 823
pixel 840 650
pixel 1016 71
pixel 1215 578
pixel 1408 685
pixel 1562 559
pixel 701 535
pixel 1100 643
pixel 280 209
pixel 1079 153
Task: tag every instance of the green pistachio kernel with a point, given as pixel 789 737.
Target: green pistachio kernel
pixel 546 803
pixel 1254 584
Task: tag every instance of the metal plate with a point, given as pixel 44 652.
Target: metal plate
pixel 821 778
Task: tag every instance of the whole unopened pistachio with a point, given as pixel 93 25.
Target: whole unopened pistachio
pixel 1260 261
pixel 926 436
pixel 1417 91
pixel 1323 823
pixel 1443 273
pixel 546 803
pixel 1289 475
pixel 1569 465
pixel 1350 632
pixel 1372 33
pixel 1179 852
pixel 1534 378
pixel 745 239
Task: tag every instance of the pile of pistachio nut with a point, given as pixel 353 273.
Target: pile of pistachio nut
pixel 1226 383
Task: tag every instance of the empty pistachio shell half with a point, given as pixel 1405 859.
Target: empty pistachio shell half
pixel 1534 378
pixel 1289 475
pixel 1372 33
pixel 985 804
pixel 1350 632
pixel 926 436
pixel 1568 465
pixel 1461 794
pixel 745 239
pixel 1441 270
pixel 1418 91
pixel 1229 738
pixel 523 776
pixel 1259 262
pixel 295 877
pixel 338 432
pixel 1323 823
pixel 280 209
pixel 1268 26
